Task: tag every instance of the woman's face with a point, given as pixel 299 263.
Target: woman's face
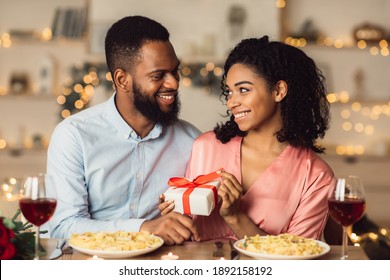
pixel 250 101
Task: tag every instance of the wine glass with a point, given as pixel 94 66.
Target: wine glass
pixel 347 205
pixel 35 206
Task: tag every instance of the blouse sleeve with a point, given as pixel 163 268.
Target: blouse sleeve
pixel 311 214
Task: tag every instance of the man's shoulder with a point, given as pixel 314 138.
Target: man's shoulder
pixel 88 115
pixel 187 127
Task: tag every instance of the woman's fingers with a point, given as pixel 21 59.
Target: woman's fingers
pixel 231 183
pixel 228 187
pixel 230 192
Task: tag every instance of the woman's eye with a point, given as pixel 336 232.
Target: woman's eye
pixel 242 90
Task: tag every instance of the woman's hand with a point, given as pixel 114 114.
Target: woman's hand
pixel 230 191
pixel 165 206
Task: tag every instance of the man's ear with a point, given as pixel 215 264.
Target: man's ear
pixel 280 90
pixel 122 80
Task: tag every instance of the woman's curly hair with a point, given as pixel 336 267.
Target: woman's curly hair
pixel 304 110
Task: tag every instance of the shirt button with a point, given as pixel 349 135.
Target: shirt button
pixel 132 207
pixel 138 175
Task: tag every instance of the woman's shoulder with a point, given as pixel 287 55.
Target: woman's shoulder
pixel 209 141
pixel 210 137
pixel 207 136
pixel 310 157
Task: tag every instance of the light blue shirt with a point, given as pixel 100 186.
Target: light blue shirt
pixel 106 177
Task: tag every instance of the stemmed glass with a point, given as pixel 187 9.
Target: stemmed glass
pixel 347 205
pixel 35 206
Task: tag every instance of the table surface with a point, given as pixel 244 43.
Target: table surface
pixel 199 251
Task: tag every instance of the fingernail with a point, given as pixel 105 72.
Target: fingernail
pixel 171 206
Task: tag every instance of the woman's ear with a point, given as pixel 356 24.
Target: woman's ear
pixel 280 90
pixel 122 80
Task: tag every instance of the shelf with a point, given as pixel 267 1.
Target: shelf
pixel 356 158
pixel 23 151
pixel 28 97
pixel 55 43
pixel 368 102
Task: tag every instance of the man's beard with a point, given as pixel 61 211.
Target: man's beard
pixel 150 108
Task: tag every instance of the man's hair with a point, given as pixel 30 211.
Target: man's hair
pixel 126 37
pixel 304 110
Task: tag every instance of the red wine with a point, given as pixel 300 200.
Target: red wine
pixel 37 211
pixel 348 211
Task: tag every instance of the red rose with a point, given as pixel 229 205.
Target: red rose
pixel 7 249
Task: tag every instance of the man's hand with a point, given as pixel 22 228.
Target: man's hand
pixel 165 206
pixel 173 228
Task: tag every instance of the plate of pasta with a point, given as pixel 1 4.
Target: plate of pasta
pixel 120 244
pixel 282 247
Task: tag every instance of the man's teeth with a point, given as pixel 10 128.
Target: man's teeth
pixel 168 97
pixel 240 115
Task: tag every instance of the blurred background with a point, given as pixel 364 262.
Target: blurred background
pixel 52 65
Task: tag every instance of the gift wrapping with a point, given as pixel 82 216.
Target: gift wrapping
pixel 197 197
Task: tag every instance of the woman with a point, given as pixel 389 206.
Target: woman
pixel 274 181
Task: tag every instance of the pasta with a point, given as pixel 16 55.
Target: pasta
pixel 282 244
pixel 115 241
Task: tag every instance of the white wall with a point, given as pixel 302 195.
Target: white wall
pixel 190 22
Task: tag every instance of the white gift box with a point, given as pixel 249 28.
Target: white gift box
pixel 201 200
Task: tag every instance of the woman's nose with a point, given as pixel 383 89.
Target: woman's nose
pixel 233 101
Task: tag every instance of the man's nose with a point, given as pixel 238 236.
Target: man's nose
pixel 171 81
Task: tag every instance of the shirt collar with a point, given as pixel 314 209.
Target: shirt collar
pixel 125 129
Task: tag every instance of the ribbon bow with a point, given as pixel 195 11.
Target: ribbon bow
pixel 198 182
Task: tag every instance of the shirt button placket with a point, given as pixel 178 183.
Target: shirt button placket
pixel 138 178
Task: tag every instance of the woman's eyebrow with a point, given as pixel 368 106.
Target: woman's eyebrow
pixel 243 82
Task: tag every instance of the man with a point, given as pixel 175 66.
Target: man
pixel 112 161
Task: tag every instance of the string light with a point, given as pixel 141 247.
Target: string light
pixel 280 4
pixel 206 75
pixel 80 87
pixel 370 113
pixel 381 48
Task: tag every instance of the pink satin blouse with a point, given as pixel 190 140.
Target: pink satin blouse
pixel 290 196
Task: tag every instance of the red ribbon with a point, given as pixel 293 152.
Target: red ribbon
pixel 198 182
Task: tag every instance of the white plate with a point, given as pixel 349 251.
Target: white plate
pixel 118 254
pixel 281 257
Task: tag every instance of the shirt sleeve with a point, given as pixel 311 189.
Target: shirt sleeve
pixel 65 163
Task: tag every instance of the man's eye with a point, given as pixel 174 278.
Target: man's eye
pixel 157 76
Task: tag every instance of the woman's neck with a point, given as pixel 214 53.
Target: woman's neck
pixel 263 142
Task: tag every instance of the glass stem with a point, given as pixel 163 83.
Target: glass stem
pixel 344 249
pixel 36 257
